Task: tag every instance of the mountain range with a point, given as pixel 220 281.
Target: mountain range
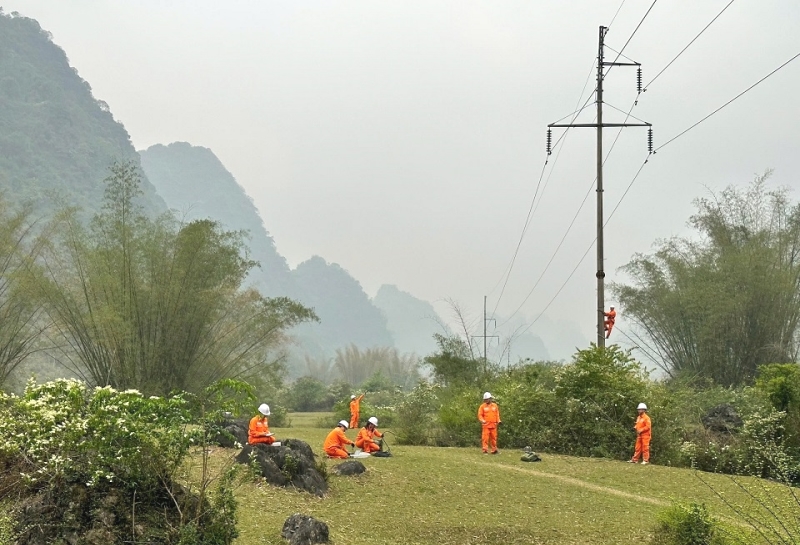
pixel 58 142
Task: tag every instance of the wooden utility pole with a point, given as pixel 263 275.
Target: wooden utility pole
pixel 600 274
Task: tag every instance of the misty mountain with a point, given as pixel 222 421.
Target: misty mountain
pixel 411 321
pixel 57 140
pixel 194 182
pixel 346 313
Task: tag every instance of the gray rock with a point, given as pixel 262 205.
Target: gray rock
pixel 722 419
pixel 291 464
pixel 350 467
pixel 302 529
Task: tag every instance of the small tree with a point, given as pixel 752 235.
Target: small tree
pixel 155 304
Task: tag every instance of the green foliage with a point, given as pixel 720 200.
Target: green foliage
pixel 308 394
pixel 8 534
pixel 454 363
pixel 376 368
pixel 158 305
pixel 721 306
pixel 57 139
pixel 595 397
pixel 417 416
pixel 687 525
pixel 62 435
pixel 21 317
pixel 781 384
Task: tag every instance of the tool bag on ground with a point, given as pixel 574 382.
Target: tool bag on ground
pixel 529 456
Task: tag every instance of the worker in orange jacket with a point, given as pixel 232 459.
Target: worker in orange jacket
pixel 355 407
pixel 336 440
pixel 366 436
pixel 489 416
pixel 258 430
pixel 643 429
pixel 608 324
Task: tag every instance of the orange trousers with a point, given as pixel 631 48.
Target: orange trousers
pixel 608 327
pixel 489 438
pixel 337 452
pixel 370 447
pixel 265 440
pixel 642 447
pixel 354 421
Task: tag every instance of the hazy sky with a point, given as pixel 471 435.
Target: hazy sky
pixel 405 140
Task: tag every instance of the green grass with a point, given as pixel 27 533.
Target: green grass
pixel 459 496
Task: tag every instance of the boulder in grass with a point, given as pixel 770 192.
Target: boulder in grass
pixel 350 467
pixel 231 432
pixel 722 419
pixel 290 465
pixel 302 529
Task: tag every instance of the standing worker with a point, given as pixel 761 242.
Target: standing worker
pixel 489 416
pixel 258 430
pixel 643 428
pixel 608 324
pixel 355 407
pixel 365 440
pixel 336 440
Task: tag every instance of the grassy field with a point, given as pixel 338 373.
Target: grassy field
pixel 446 496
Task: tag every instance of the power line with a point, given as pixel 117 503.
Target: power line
pixel 687 46
pixel 724 105
pixel 532 208
pixel 631 36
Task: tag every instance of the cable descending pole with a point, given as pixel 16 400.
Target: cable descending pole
pixel 599 125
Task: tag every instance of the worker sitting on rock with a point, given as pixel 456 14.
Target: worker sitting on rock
pixel 366 436
pixel 258 431
pixel 336 440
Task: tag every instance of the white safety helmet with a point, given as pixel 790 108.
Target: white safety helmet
pixel 343 423
pixel 353 396
pixel 264 409
pixel 372 420
pixel 487 395
pixel 642 406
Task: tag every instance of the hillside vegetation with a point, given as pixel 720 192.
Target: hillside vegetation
pixel 58 140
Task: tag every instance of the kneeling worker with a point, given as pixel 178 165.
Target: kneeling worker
pixel 336 440
pixel 365 440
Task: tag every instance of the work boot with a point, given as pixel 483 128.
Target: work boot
pixel 631 461
pixel 486 452
pixel 495 452
pixel 645 462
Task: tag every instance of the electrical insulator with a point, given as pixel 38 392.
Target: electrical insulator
pixel 650 139
pixel 639 79
pixel 549 141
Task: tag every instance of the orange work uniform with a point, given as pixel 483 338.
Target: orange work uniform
pixel 608 325
pixel 643 433
pixel 335 442
pixel 259 426
pixel 365 440
pixel 355 407
pixel 489 415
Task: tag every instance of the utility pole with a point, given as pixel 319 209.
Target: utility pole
pixel 485 336
pixel 600 274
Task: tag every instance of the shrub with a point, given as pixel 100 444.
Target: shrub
pixel 417 418
pixel 686 525
pixel 72 448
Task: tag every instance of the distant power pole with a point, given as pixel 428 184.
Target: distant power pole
pixel 601 63
pixel 485 336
